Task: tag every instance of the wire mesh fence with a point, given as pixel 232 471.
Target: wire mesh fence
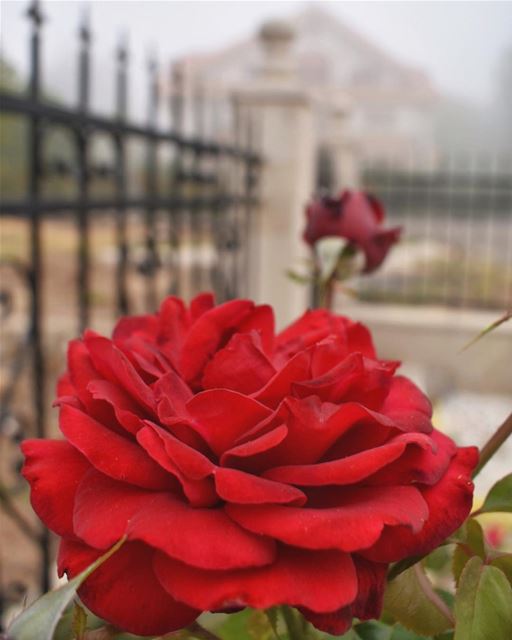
pixel 456 216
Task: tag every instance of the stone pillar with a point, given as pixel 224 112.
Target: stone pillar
pixel 283 113
pixel 343 149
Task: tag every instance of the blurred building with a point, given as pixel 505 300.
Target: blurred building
pixel 386 107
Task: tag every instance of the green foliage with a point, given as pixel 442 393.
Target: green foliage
pixel 235 626
pixel 483 603
pixel 471 543
pixel 374 630
pixel 494 325
pixel 499 497
pixel 438 559
pixel 79 622
pixel 407 602
pixel 41 618
pixel 503 561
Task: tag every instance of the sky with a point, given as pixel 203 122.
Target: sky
pixel 458 44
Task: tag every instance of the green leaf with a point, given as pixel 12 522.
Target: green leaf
pixel 235 626
pixel 64 631
pixel 273 619
pixel 494 325
pixel 471 537
pixel 437 559
pixel 447 597
pixel 299 277
pixel 483 601
pixel 406 601
pixel 41 618
pixel 260 627
pixel 401 633
pixel 349 635
pixel 499 497
pixel 79 622
pixel 504 563
pixel 329 251
pixel 372 630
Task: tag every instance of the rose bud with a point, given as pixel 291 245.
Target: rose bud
pixel 357 217
pixel 245 468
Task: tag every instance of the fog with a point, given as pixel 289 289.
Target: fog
pixel 459 45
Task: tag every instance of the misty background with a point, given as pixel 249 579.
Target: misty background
pixel 464 48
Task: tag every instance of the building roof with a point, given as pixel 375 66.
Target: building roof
pixel 331 55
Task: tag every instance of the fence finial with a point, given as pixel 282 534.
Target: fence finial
pixel 85 25
pixel 122 48
pixel 35 14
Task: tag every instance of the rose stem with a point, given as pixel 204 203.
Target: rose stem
pixel 431 595
pixel 292 623
pixel 493 444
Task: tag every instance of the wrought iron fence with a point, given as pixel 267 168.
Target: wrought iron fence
pixel 83 258
pixel 456 247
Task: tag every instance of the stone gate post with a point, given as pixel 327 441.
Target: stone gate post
pixel 283 115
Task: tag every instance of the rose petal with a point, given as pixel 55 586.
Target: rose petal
pixel 192 463
pixel 124 590
pixel 207 538
pixel 407 406
pixel 113 365
pixel 314 427
pixel 207 334
pixel 145 326
pixel 449 503
pixel 103 507
pixel 175 391
pixel 419 465
pixel 222 416
pixel 280 385
pixel 371 581
pixel 319 580
pixel 355 379
pixel 236 486
pixel 311 327
pixel 81 372
pixel 260 320
pixel 355 524
pixel 251 454
pixel 241 366
pixel 53 494
pixel 200 491
pixel 110 453
pixel 360 339
pixel 201 304
pixel 128 413
pixel 350 469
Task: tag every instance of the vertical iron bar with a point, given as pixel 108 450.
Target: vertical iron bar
pixel 120 172
pixel 233 286
pixel 151 191
pixel 83 178
pixel 197 215
pixel 36 274
pixel 179 223
pixel 247 222
pixel 176 109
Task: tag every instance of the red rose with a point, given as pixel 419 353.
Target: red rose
pixel 245 468
pixel 356 216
